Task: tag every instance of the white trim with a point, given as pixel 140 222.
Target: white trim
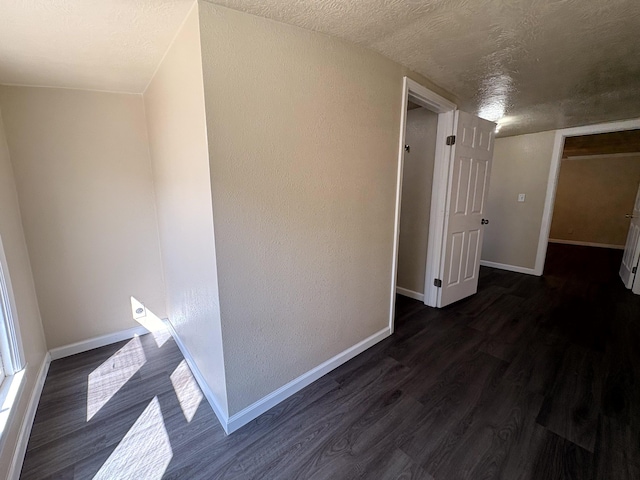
pixel 586 244
pixel 238 420
pixel 96 342
pixel 437 217
pixel 10 339
pixel 396 222
pixel 197 374
pixel 410 293
pixel 258 408
pixel 10 395
pixel 552 181
pixel 27 421
pixel 511 268
pixel 427 98
pixel 444 108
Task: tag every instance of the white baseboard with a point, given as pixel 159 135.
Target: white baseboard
pixel 27 421
pixel 230 424
pixel 511 268
pixel 96 342
pixel 586 244
pixel 410 293
pixel 258 408
pixel 204 386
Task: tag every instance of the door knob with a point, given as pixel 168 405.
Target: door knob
pixel 484 222
pixel 628 215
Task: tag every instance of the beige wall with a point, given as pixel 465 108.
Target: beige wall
pixel 303 136
pixel 174 103
pixel 84 181
pixel 592 198
pixel 28 314
pixel 520 165
pixel 417 179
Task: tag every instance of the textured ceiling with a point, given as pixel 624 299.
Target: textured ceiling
pixel 531 64
pixel 111 45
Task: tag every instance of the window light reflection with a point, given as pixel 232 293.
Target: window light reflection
pixel 108 378
pixel 187 390
pixel 144 452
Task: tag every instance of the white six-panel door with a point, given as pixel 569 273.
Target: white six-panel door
pixel 465 215
pixel 632 247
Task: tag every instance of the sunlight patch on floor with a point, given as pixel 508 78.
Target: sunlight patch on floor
pixel 187 390
pixel 105 381
pixel 144 452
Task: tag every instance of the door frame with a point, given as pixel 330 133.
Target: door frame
pixel 445 110
pixel 554 172
pixel 635 253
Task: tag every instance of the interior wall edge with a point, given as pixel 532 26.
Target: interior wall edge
pixel 176 125
pixel 259 407
pixel 223 418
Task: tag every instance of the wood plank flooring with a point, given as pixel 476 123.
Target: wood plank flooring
pixel 532 378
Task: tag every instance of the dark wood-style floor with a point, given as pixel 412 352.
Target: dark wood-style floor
pixel 532 378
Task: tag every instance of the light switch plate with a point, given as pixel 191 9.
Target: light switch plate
pixel 521 197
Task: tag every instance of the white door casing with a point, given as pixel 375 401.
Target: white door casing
pixel 632 247
pixel 468 185
pixel 445 110
pixel 636 286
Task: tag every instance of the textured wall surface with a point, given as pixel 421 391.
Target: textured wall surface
pixel 83 177
pixel 303 137
pixel 592 198
pixel 501 58
pixel 28 314
pixel 112 45
pixel 174 103
pixel 417 179
pixel 520 165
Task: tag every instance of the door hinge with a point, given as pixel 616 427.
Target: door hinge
pixel 634 269
pixel 451 140
pixel 437 282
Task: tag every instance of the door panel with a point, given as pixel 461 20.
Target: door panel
pixel 632 247
pixel 461 179
pixel 481 181
pixel 472 254
pixel 468 186
pixel 457 242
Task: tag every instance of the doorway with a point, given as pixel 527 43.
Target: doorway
pixel 592 160
pixel 431 104
pixel 417 182
pixel 593 210
pixel 461 169
pixel 596 191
